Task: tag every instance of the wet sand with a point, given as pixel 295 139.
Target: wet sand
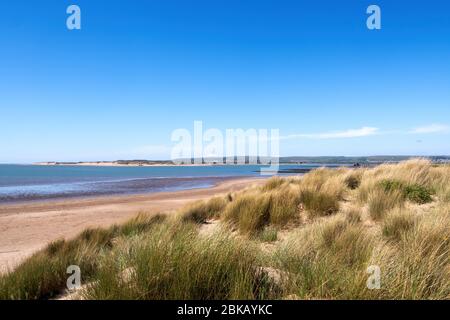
pixel 28 227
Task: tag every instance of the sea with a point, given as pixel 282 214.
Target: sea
pixel 21 183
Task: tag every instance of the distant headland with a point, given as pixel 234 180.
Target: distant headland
pixel 363 161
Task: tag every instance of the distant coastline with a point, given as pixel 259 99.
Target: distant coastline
pixel 131 163
pixel 294 160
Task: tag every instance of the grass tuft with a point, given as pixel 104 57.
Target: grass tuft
pixel 397 224
pixel 249 212
pixel 273 183
pixel 201 211
pixel 182 265
pixel 353 180
pixel 268 234
pixel 380 201
pixel 319 204
pixel 43 275
pixel 418 194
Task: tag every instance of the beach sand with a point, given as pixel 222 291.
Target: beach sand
pixel 28 227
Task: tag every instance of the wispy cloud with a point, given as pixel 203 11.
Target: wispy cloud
pixel 164 151
pixel 432 128
pixel 368 131
pixel 350 133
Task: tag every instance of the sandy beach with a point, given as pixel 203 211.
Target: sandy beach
pixel 28 227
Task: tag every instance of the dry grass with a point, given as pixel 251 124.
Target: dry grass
pixel 353 178
pixel 412 172
pixel 43 275
pixel 284 205
pixel 325 229
pixel 269 234
pixel 173 262
pixel 201 211
pixel 273 183
pixel 398 223
pixel 326 260
pixel 353 214
pixel 418 265
pixel 319 203
pixel 380 201
pixel 251 211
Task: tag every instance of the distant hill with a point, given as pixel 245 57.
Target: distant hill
pixel 370 160
pixel 362 160
pixel 331 159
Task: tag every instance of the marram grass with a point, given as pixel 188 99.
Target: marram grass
pixel 313 237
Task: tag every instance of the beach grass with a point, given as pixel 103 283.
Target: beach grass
pixel 174 262
pixel 44 274
pixel 201 211
pixel 310 237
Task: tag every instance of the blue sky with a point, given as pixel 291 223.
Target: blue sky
pixel 137 70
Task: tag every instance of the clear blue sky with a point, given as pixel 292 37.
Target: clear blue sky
pixel 137 70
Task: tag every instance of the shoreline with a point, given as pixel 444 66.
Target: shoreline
pixel 116 164
pixel 29 226
pixel 122 190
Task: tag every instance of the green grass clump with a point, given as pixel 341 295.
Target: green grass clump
pixel 353 180
pixel 202 211
pixel 392 185
pixel 346 242
pixel 284 206
pixel 268 234
pixel 319 203
pixel 418 194
pixel 413 192
pixel 139 224
pixel 174 262
pixel 326 260
pixel 43 275
pixel 249 212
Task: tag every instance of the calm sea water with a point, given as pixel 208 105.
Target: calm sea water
pixel 29 182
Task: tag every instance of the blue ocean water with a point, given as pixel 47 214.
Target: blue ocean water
pixel 31 182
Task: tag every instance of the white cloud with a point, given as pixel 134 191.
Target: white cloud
pixel 432 128
pixel 350 133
